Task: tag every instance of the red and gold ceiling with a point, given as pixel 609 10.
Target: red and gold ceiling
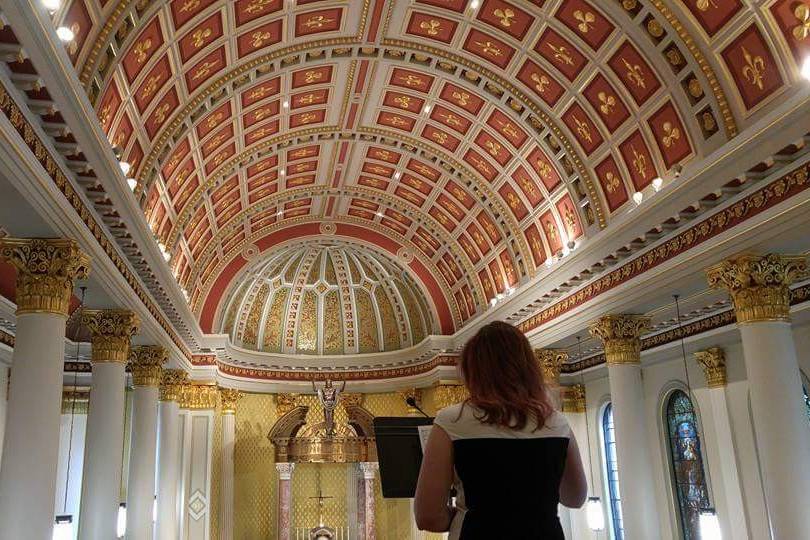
pixel 479 140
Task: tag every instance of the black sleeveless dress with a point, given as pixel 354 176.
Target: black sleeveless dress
pixel 507 481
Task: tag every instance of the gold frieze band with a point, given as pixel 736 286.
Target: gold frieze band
pixel 145 364
pixel 171 384
pixel 621 335
pixel 573 399
pixel 46 269
pixel 759 285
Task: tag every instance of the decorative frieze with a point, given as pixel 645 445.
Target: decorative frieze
pixel 198 396
pixel 111 331
pixel 759 285
pixel 713 362
pixel 46 269
pixel 229 397
pixel 621 336
pixel 551 362
pixel 75 400
pixel 145 364
pixel 171 384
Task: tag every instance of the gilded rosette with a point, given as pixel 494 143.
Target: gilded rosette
pixel 759 285
pixel 145 364
pixel 551 362
pixel 229 397
pixel 111 331
pixel 46 268
pixel 621 336
pixel 171 384
pixel 573 399
pixel 713 362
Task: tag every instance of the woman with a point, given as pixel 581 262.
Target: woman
pixel 510 456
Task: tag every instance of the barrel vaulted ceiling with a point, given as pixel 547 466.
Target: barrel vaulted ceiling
pixel 473 141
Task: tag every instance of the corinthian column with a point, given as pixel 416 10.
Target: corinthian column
pixel 145 365
pixel 168 466
pixel 621 336
pixel 551 361
pixel 110 331
pixel 369 470
pixel 45 273
pixel 285 471
pixel 229 398
pixel 759 289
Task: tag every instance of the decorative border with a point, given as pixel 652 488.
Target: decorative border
pixel 774 193
pixel 7 339
pixel 53 168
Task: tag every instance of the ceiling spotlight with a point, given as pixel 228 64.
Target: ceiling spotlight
pixel 167 256
pixel 132 183
pixel 549 262
pixel 474 4
pixel 51 5
pixel 280 213
pixel 379 214
pixel 125 167
pixel 806 68
pixel 638 197
pixel 65 34
pixel 493 302
pixel 286 104
pixel 510 291
pixel 185 294
pixel 658 183
pixel 566 251
pixel 426 109
pixel 282 172
pixel 397 175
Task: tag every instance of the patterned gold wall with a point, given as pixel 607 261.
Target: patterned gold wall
pixel 216 474
pixel 255 478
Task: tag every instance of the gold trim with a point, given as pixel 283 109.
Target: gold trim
pixel 551 362
pixel 573 399
pixel 145 364
pixel 229 397
pixel 198 396
pixel 621 335
pixel 759 285
pixel 46 268
pixel 111 331
pixel 171 384
pixel 713 362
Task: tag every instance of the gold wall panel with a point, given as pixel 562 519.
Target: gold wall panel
pixel 332 478
pixel 367 322
pixel 251 332
pixel 307 335
pixel 216 474
pixel 415 320
pixel 274 324
pixel 332 323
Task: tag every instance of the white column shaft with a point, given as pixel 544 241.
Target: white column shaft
pixel 578 518
pixel 142 462
pixel 3 402
pixel 168 473
pixel 228 440
pixel 101 482
pixel 31 443
pixel 780 425
pixel 639 512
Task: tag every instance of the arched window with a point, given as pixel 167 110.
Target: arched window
pixel 611 474
pixel 687 463
pixel 806 401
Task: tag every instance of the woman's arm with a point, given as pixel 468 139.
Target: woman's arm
pixel 574 485
pixel 435 480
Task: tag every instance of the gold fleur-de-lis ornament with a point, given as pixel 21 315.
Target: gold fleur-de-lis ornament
pixel 754 69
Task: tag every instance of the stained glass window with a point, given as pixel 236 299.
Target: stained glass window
pixel 806 402
pixel 687 463
pixel 612 474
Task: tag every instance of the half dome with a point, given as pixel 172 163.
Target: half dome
pixel 327 298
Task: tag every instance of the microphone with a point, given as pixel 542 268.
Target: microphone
pixel 411 402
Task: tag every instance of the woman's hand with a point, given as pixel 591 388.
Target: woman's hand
pixel 435 479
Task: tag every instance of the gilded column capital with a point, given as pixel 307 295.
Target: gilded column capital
pixel 551 362
pixel 759 285
pixel 285 403
pixel 198 396
pixel 111 331
pixel 713 362
pixel 369 469
pixel 46 268
pixel 75 400
pixel 621 336
pixel 449 394
pixel 229 398
pixel 171 384
pixel 285 470
pixel 573 398
pixel 414 393
pixel 146 363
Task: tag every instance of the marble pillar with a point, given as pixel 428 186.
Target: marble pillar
pixel 760 290
pixel 111 331
pixel 731 513
pixel 46 269
pixel 621 335
pixel 229 398
pixel 168 460
pixel 369 470
pixel 146 366
pixel 285 471
pixel 361 504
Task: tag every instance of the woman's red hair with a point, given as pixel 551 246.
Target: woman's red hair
pixel 504 379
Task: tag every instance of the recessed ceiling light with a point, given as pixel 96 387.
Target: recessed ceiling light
pixel 397 175
pixel 493 302
pixel 65 34
pixel 125 167
pixel 379 214
pixel 474 4
pixel 426 109
pixel 51 5
pixel 638 197
pixel 282 172
pixel 658 183
pixel 806 68
pixel 286 104
pixel 132 183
